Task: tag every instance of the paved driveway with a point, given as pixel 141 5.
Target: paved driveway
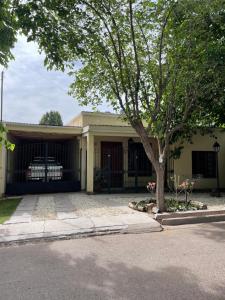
pixel 72 205
pixel 62 206
pixel 74 214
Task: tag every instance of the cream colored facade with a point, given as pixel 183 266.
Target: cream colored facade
pixel 90 129
pixel 183 165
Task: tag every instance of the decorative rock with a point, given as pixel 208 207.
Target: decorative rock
pixel 199 205
pixel 149 207
pixel 140 208
pixel 132 205
pixel 155 210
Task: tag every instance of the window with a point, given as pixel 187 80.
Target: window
pixel 142 166
pixel 204 164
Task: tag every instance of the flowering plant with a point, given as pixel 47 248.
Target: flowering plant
pixel 187 185
pixel 151 186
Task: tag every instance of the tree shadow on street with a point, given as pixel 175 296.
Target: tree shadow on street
pixel 213 231
pixel 49 271
pixel 94 280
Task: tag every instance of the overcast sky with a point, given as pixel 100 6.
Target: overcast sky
pixel 30 90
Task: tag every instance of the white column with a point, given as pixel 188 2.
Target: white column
pixel 90 163
pixel 83 163
pixel 3 154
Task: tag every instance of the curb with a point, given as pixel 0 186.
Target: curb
pixel 193 220
pixel 82 233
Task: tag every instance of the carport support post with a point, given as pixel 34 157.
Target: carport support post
pixel 3 173
pixel 83 163
pixel 90 163
pixel 46 162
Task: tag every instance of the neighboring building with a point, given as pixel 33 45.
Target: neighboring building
pixel 97 152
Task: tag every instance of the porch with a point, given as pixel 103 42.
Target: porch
pixel 113 160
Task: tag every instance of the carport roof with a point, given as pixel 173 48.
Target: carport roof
pixel 26 130
pixel 40 131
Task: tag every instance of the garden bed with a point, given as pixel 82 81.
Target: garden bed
pixel 172 205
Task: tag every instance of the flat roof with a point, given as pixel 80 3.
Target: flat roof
pixel 26 130
pixel 12 124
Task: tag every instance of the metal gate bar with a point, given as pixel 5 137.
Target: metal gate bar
pixel 42 167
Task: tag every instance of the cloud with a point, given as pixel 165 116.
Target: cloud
pixel 30 90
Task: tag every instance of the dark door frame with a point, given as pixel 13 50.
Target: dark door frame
pixel 112 165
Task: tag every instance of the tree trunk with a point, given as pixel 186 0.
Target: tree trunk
pixel 160 174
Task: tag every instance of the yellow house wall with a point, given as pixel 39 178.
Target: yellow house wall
pixel 183 166
pixel 77 121
pixel 128 181
pixel 103 120
pixel 97 118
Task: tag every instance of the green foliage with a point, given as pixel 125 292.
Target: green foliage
pixel 157 60
pixel 7 208
pixel 160 62
pixel 3 141
pixel 174 205
pixel 52 118
pixel 8 29
pixel 176 152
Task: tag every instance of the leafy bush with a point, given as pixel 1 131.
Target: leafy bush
pixel 173 205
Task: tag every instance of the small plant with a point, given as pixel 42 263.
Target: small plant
pixel 151 186
pixel 187 187
pixel 174 205
pixel 175 184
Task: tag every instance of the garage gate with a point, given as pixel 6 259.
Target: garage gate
pixel 43 167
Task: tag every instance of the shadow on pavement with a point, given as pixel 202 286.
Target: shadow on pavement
pixel 212 231
pixel 42 272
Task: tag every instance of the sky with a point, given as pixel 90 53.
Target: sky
pixel 30 90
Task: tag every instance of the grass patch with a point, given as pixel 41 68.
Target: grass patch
pixel 7 208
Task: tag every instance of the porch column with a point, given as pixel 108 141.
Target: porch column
pixel 3 154
pixel 90 163
pixel 83 163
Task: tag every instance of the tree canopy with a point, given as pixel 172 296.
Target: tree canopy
pixel 161 62
pixel 52 118
pixel 8 29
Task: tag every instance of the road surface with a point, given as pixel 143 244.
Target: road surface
pixel 184 263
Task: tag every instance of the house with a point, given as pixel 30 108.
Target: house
pixel 97 152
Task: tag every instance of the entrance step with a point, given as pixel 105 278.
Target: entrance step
pixel 194 217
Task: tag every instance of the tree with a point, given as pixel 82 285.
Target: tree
pixel 8 29
pixel 52 118
pixel 148 58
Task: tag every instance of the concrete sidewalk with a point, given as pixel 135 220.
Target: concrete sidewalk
pixel 64 216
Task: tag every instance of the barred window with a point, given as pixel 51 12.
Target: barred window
pixel 204 164
pixel 142 166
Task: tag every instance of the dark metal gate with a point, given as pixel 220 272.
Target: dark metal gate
pixel 122 171
pixel 43 167
pixel 112 163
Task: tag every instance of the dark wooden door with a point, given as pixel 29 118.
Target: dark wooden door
pixel 112 163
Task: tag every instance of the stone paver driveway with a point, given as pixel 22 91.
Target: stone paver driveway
pixel 74 215
pixel 77 214
pixel 35 208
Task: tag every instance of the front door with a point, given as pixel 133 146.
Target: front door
pixel 112 163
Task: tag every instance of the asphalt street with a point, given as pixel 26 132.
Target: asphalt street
pixel 187 262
